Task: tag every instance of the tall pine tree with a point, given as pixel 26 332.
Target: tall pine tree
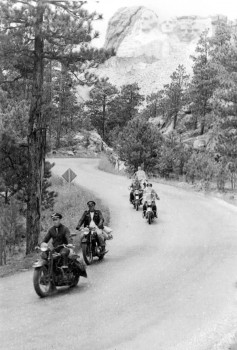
pixel 203 84
pixel 31 34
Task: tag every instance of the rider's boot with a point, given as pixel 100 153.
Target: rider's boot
pixel 144 214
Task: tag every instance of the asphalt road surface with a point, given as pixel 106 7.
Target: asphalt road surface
pixel 169 285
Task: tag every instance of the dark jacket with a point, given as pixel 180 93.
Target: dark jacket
pixel 58 238
pixel 86 219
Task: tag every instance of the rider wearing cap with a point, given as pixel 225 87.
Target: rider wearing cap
pixel 135 185
pixel 93 218
pixel 60 235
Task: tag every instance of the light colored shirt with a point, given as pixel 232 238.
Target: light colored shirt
pixel 92 223
pixel 149 194
pixel 141 175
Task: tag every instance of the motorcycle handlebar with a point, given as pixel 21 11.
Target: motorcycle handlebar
pixel 65 246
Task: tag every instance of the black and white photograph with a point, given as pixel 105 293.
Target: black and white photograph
pixel 118 175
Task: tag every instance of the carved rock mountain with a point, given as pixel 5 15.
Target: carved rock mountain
pixel 148 48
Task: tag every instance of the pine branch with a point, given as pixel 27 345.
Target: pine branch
pixel 26 3
pixel 11 81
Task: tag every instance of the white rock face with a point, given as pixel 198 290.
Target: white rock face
pixel 144 38
pixel 148 48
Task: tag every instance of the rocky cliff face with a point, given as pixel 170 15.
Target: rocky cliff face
pixel 149 49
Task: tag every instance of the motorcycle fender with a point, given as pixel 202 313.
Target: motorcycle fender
pixel 83 273
pixel 39 263
pixel 82 269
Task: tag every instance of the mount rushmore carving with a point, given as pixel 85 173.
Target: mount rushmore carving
pixel 149 48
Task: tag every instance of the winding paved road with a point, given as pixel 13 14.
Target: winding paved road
pixel 170 285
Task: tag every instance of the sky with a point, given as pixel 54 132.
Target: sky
pixel 164 9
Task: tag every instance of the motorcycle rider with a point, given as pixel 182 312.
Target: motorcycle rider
pixel 140 175
pixel 60 234
pixel 150 194
pixel 93 218
pixel 135 186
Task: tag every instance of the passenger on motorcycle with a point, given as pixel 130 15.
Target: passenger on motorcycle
pixel 135 186
pixel 150 194
pixel 93 218
pixel 60 234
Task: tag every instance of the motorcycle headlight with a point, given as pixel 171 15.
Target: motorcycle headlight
pixel 44 247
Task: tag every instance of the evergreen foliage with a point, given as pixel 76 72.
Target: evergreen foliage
pixel 30 38
pixel 203 84
pixel 140 143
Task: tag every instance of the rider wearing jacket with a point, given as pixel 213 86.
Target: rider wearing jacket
pixel 93 218
pixel 150 194
pixel 60 234
pixel 134 186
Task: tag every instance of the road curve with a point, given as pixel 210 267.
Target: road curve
pixel 170 285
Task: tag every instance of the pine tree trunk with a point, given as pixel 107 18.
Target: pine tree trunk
pixel 36 140
pixel 195 124
pixel 103 118
pixel 175 121
pixel 58 141
pixel 50 100
pixel 203 122
pixel 61 88
pixel 1 250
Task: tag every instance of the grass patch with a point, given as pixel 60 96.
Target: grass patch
pixel 106 165
pixel 71 203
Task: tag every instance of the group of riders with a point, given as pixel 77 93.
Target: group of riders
pixel 93 218
pixel 146 192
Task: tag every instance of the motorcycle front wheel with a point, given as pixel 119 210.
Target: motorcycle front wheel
pixel 87 253
pixel 149 219
pixel 41 281
pixel 75 281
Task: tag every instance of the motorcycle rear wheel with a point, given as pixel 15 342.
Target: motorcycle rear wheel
pixel 87 254
pixel 137 206
pixel 41 280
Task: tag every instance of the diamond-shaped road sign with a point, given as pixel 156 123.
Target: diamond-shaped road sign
pixel 69 175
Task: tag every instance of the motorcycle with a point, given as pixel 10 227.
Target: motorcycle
pixel 137 199
pixel 48 271
pixel 149 212
pixel 90 245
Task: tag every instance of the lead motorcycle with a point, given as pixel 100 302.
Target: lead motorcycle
pixel 48 271
pixel 90 245
pixel 137 199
